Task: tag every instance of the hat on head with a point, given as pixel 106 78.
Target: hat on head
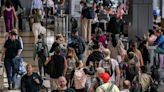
pixel 104 76
pixel 13 33
pixel 15 30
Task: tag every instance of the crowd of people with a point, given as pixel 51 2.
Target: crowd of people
pixel 97 61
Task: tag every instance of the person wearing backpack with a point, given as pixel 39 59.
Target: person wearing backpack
pixel 95 55
pixel 12 48
pixel 80 77
pixel 87 15
pixel 71 60
pixel 111 66
pixel 58 66
pixel 144 79
pixel 61 42
pixel 107 86
pixel 41 52
pixel 130 67
pixel 77 43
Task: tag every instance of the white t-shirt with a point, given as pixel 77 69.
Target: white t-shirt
pixel 114 65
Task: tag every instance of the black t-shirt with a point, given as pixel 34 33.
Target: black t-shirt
pixel 58 63
pixel 12 48
pixel 28 84
pixel 67 90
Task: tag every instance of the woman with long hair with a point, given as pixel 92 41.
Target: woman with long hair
pixel 137 52
pixel 71 62
pixel 8 12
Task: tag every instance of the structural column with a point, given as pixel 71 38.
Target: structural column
pixel 140 17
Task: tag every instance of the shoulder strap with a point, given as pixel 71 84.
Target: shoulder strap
pixel 102 87
pixel 109 89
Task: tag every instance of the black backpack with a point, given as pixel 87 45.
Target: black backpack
pixel 131 71
pixel 78 45
pixel 49 67
pixel 89 13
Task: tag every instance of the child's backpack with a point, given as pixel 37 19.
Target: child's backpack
pixel 79 78
pixel 19 66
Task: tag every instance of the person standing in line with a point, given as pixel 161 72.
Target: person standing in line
pixel 8 12
pixel 85 22
pixel 12 48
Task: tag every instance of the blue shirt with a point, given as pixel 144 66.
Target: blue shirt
pixel 160 41
pixel 36 4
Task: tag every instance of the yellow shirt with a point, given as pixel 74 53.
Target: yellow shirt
pixel 105 86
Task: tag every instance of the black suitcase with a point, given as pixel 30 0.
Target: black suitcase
pixel 22 21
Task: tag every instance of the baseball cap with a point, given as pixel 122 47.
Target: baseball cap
pixel 104 76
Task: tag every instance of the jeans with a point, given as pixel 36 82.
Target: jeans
pixel 11 74
pixel 41 61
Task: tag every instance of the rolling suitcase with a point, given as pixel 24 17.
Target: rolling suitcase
pixel 22 21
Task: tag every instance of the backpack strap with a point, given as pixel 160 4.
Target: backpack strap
pixel 109 89
pixel 102 87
